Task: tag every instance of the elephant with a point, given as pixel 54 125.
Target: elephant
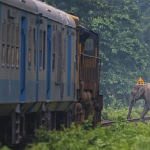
pixel 140 92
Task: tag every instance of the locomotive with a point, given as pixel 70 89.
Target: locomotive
pixel 49 72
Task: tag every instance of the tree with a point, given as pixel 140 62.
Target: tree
pixel 122 49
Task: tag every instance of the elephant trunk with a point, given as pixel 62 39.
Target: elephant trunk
pixel 130 108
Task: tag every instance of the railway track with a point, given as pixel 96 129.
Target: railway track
pixel 108 123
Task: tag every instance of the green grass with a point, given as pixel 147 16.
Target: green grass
pixel 115 114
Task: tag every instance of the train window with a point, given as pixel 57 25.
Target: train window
pixel 29 59
pixel 3 55
pixel 53 62
pixel 64 59
pixel 8 44
pixel 12 56
pixel 74 49
pixel 53 57
pixel 29 47
pixel 8 56
pixel 17 46
pixel 13 45
pixel 89 47
pixel 59 58
pixel 34 59
pixel 17 56
pixel 40 51
pixel 77 51
pixel 69 53
pixel 44 40
pixel 34 44
pixel 3 42
pixel 11 13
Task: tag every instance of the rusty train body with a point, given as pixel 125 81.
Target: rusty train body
pixel 49 72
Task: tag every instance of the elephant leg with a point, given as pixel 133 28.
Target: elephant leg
pixel 145 110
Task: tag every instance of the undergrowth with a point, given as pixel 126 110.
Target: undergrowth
pixel 119 136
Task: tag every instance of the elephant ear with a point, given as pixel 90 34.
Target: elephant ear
pixel 141 91
pixel 135 89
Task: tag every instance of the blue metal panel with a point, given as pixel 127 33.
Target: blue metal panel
pixel 48 61
pixel 30 91
pixel 15 91
pixel 69 66
pixel 23 58
pixel 5 90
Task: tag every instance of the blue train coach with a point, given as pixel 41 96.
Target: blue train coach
pixel 37 42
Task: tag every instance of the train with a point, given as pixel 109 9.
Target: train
pixel 49 72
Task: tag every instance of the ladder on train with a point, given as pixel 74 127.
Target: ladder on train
pixel 16 125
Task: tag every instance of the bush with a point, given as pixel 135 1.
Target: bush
pixel 4 148
pixel 121 135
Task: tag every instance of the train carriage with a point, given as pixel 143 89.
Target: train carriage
pixel 48 74
pixel 35 48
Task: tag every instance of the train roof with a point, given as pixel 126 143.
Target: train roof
pixel 54 14
pixel 84 29
pixel 38 7
pixel 75 18
pixel 27 5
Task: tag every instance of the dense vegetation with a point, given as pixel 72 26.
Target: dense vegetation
pixel 120 136
pixel 124 28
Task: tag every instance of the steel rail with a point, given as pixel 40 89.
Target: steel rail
pixel 108 123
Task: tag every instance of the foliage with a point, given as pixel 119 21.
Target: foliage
pixel 120 135
pixel 4 148
pixel 123 53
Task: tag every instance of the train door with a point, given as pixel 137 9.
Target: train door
pixel 10 46
pixel 69 67
pixel 14 57
pixel 30 60
pixel 41 53
pixel 48 62
pixel 37 60
pixel 63 59
pixel 5 75
pixel 23 58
